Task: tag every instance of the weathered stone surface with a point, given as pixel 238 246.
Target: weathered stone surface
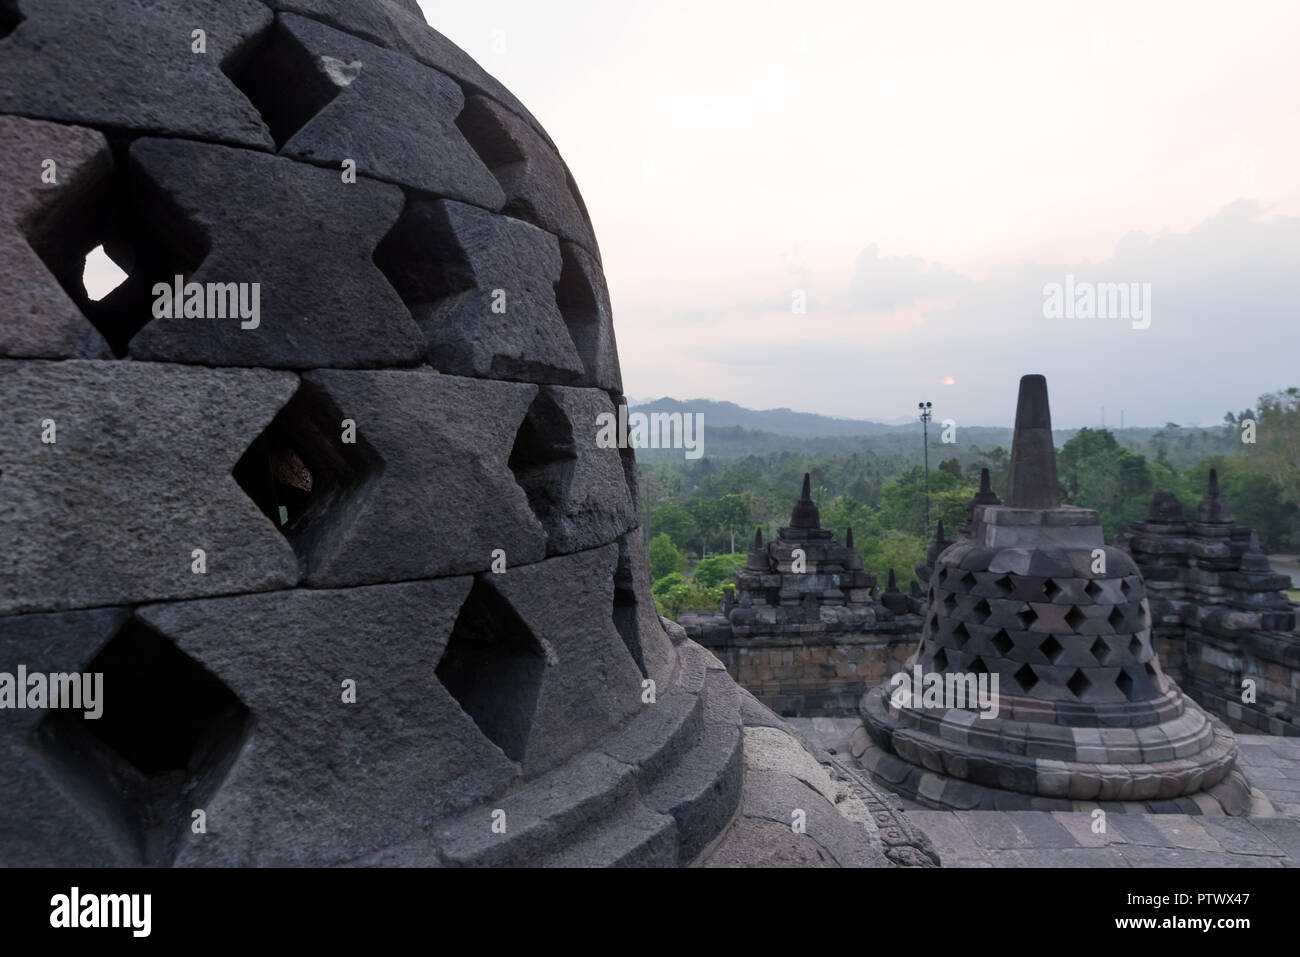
pixel 130 64
pixel 46 821
pixel 702 790
pixel 635 613
pixel 445 497
pixel 1032 480
pixel 327 305
pixel 137 478
pixel 537 184
pixel 590 684
pixel 404 751
pixel 577 489
pixel 39 319
pixel 483 289
pixel 584 301
pixel 394 117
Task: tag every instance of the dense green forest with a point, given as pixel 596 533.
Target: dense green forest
pixel 700 515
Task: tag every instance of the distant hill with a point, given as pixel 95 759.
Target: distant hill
pixel 804 425
pixel 731 431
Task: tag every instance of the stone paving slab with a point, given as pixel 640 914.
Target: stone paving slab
pixel 1066 839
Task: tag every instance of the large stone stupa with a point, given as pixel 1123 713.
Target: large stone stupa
pixel 333 530
pixel 1036 598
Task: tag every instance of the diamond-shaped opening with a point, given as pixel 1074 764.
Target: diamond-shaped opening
pixel 543 459
pixel 1026 678
pixel 1115 618
pixel 428 268
pixel 493 667
pixel 282 79
pixel 950 603
pixel 943 574
pixel 1125 588
pixel 1078 683
pixel 1092 589
pixel 121 219
pixel 488 137
pixel 1051 648
pixel 503 154
pixel 1027 617
pixel 1074 617
pixel 1151 669
pixel 168 733
pixel 982 610
pixel 302 471
pixel 1004 585
pixel 1002 642
pixel 960 634
pixel 10 17
pixel 1100 650
pixel 934 623
pixel 940 660
pixel 1051 589
pixel 626 606
pixel 977 667
pixel 968 581
pixel 581 310
pixel 1135 646
pixel 1124 681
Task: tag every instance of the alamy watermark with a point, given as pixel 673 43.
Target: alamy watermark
pixel 1098 300
pixel 651 430
pixel 38 690
pixel 946 691
pixel 212 300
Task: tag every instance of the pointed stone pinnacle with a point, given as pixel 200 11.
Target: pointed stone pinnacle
pixel 805 513
pixel 985 487
pixel 893 583
pixel 1032 479
pixel 938 532
pixel 1213 490
pixel 848 538
pixel 758 538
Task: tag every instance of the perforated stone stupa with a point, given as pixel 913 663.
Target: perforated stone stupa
pixel 1036 598
pixel 332 525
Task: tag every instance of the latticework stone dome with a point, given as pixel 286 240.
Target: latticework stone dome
pixel 338 535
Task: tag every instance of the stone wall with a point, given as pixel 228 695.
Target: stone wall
pixel 813 675
pixel 1212 669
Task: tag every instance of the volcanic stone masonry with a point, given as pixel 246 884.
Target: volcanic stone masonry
pixel 808 630
pixel 359 581
pixel 1221 619
pixel 1087 714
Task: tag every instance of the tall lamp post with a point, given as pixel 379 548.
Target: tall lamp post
pixel 925 426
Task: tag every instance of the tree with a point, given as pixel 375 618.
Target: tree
pixel 717 571
pixel 1095 471
pixel 665 559
pixel 675 522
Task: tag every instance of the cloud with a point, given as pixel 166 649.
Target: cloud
pixel 1225 316
pixel 885 284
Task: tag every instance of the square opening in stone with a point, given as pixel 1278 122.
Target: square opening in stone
pixel 1051 648
pixel 282 79
pixel 168 734
pixel 1026 677
pixel 10 17
pixel 124 219
pixel 493 666
pixel 308 469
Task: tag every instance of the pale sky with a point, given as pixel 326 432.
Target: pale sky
pixel 920 170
